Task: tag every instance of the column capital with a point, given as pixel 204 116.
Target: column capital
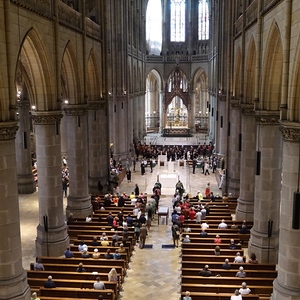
pixel 75 109
pixel 247 109
pixel 235 104
pixel 8 130
pixel 265 117
pixel 46 117
pixel 290 131
pixel 97 104
pixel 23 104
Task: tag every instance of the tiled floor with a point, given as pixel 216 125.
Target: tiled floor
pixel 154 273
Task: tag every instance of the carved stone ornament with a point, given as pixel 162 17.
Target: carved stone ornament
pixel 8 130
pixel 290 131
pixel 23 104
pixel 235 104
pixel 75 110
pixel 247 110
pixel 267 118
pixel 97 105
pixel 46 118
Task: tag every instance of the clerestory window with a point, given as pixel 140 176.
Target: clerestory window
pixel 203 20
pixel 178 20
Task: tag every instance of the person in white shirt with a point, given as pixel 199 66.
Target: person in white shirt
pixel 238 259
pixel 88 218
pixel 244 290
pixel 204 226
pixel 222 225
pixel 198 217
pixel 236 296
pixel 241 273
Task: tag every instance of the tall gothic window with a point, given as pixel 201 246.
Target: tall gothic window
pixel 177 20
pixel 154 27
pixel 203 24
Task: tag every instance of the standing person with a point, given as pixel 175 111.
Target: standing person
pixel 207 190
pixel 175 234
pixel 136 230
pixel 194 165
pixel 136 190
pixel 151 165
pixel 128 175
pixel 206 167
pixel 142 168
pixel 143 235
pixel 134 162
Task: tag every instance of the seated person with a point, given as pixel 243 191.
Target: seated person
pixel 81 246
pixel 96 254
pixel 238 259
pixel 88 218
pixel 186 239
pixel 217 250
pixel 80 268
pixel 68 253
pixel 99 285
pixel 205 272
pixel 226 265
pixel 244 290
pixel 38 266
pixel 95 242
pixel 241 273
pixel 223 225
pixel 203 233
pixel 103 237
pixel 34 296
pixel 232 245
pixel 217 240
pixel 108 255
pixel 117 255
pixel 236 296
pixel 187 229
pixel 49 283
pixel 244 228
pixel 187 296
pixel 253 259
pixel 85 254
pixel 105 243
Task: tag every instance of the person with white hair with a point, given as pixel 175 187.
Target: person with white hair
pixel 186 239
pixel 34 296
pixel 238 259
pixel 244 290
pixel 205 272
pixel 241 273
pixel 96 254
pixel 223 225
pixel 226 265
pixel 49 283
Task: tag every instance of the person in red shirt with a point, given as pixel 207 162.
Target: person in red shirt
pixel 217 239
pixel 181 220
pixel 192 213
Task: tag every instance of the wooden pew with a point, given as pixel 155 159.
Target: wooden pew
pixel 73 283
pixel 195 237
pixel 209 252
pixel 212 258
pixel 214 296
pixel 225 288
pixel 218 265
pixel 193 245
pixel 58 293
pixel 231 273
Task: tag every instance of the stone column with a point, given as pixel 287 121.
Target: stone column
pixel 13 280
pixel 47 129
pixel 267 188
pixel 79 200
pixel 135 117
pixel 191 113
pixel 287 283
pixel 98 145
pixel 245 203
pixel 26 183
pixel 234 154
pixel 64 137
pixel 161 112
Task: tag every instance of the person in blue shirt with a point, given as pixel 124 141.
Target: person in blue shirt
pixel 68 253
pixel 116 255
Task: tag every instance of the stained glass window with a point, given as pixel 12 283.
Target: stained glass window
pixel 177 20
pixel 203 23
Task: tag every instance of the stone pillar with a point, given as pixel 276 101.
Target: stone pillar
pixel 64 137
pixel 54 241
pixel 13 280
pixel 191 113
pixel 245 202
pixel 161 112
pixel 135 118
pixel 287 283
pixel 267 188
pixel 79 200
pixel 26 183
pixel 234 154
pixel 98 145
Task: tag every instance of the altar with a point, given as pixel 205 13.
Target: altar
pixel 168 179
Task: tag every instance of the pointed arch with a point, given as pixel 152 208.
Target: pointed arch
pixel 93 77
pixel 237 74
pixel 70 84
pixel 34 60
pixel 272 70
pixel 250 73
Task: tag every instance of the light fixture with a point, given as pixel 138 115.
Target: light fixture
pixel 109 93
pixel 66 101
pixel 125 92
pixel 19 93
pixel 33 107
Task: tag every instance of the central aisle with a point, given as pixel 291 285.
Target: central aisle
pixel 155 272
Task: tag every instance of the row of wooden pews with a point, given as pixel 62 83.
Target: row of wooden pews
pixel 200 252
pixel 74 285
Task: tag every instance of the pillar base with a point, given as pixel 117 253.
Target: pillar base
pixel 266 249
pixel 244 210
pixel 233 187
pixel 26 184
pixel 80 207
pixel 284 293
pixel 16 288
pixel 52 243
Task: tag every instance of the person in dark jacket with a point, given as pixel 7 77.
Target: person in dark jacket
pixel 49 283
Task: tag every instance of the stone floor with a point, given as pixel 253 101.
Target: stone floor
pixel 154 273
